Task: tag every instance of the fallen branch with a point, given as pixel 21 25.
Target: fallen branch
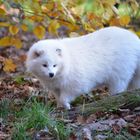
pixel 128 99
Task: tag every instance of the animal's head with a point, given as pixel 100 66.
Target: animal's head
pixel 44 59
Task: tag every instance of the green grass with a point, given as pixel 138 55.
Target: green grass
pixel 33 117
pixel 4 108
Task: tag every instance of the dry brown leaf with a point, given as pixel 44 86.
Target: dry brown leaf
pixel 81 119
pixel 114 22
pixel 23 58
pixel 116 128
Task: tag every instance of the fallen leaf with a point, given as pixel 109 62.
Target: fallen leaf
pixel 4 24
pixel 116 128
pixel 39 31
pixel 23 57
pixel 53 26
pixel 13 29
pixel 9 65
pixel 5 41
pixel 81 119
pixel 17 43
pixel 10 41
pixel 24 27
pixel 114 22
pixel 132 129
pixel 72 137
pixel 124 20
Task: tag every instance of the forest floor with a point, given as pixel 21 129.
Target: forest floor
pixel 24 114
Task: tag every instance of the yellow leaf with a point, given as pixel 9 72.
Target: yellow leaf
pixel 72 27
pixel 39 31
pixel 24 27
pixel 35 7
pixel 88 27
pixel 124 20
pixel 48 7
pixel 5 41
pixel 44 9
pixel 54 14
pixel 37 18
pixel 53 26
pixel 4 24
pixel 2 11
pixel 108 2
pixel 16 42
pixel 9 65
pixel 13 29
pixel 10 41
pixel 78 10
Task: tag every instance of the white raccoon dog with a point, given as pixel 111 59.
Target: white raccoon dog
pixel 72 66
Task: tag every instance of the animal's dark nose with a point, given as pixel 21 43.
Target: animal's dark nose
pixel 51 75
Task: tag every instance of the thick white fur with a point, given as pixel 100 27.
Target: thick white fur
pixel 109 56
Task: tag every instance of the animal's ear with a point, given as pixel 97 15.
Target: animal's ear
pixel 37 53
pixel 59 51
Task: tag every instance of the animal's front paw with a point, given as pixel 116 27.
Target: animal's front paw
pixel 67 106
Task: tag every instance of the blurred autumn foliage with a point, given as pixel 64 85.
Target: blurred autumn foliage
pixel 59 18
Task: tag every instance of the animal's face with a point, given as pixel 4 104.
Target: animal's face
pixel 45 61
pixel 50 63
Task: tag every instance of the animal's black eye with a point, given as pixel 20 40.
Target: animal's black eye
pixel 44 65
pixel 54 65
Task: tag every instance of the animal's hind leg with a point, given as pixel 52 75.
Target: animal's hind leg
pixel 118 86
pixel 135 82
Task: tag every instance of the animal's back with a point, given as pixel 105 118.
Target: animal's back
pixel 105 42
pixel 108 55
